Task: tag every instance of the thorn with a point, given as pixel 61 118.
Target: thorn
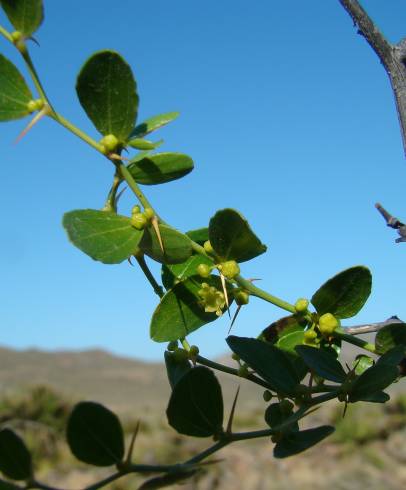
pixel 234 318
pixel 31 38
pixel 231 418
pixel 345 407
pixel 155 225
pixel 223 285
pixel 253 279
pixel 131 448
pixel 129 260
pixel 121 193
pixel 43 112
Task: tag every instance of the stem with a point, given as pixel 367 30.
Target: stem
pixel 76 131
pixel 259 293
pixel 102 483
pixel 34 75
pixel 6 34
pixel 323 398
pixel 208 452
pixel 111 201
pixel 232 371
pixel 148 274
pixel 133 185
pixel 354 341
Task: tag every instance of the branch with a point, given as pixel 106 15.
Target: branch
pixel 393 57
pixel 393 222
pixel 369 30
pixel 373 327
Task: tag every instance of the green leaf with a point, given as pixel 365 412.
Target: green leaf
pixel 108 93
pixel 390 336
pixel 180 311
pixel 167 480
pixel 296 442
pixel 25 15
pixel 152 124
pixel 275 416
pixel 282 327
pixel 14 92
pixel 393 357
pixel 141 144
pixel 269 362
pixel 160 168
pixel 15 459
pixel 371 381
pixel 199 236
pixel 177 246
pixel 232 238
pixel 362 363
pixel 103 235
pixel 172 274
pixel 344 294
pixel 289 341
pixel 95 435
pixel 322 363
pixel 175 369
pixel 196 404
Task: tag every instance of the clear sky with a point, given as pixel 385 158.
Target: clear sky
pixel 289 118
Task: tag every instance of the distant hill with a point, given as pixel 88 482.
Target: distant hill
pixel 121 383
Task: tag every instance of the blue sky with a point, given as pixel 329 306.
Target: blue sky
pixel 289 118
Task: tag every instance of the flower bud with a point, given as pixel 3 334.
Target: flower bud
pixel 328 323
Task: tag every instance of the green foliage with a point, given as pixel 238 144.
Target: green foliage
pixel 344 294
pixel 181 311
pixel 177 247
pixel 104 236
pixel 160 168
pixel 14 92
pixel 323 363
pixel 95 435
pixel 108 93
pixel 269 362
pixel 390 336
pixel 25 15
pixel 201 275
pixel 196 404
pixel 15 459
pixel 152 124
pixel 232 238
pixel 172 274
pixel 296 442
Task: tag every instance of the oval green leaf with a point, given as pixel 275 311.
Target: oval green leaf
pixel 289 341
pixel 177 247
pixel 152 124
pixel 373 380
pixel 95 435
pixel 25 15
pixel 390 336
pixel 180 311
pixel 269 362
pixel 175 369
pixel 172 274
pixel 344 294
pixel 232 238
pixel 108 93
pixel 297 442
pixel 14 92
pixel 103 235
pixel 275 417
pixel 322 363
pixel 361 363
pixel 141 144
pixel 200 235
pixel 15 459
pixel 160 168
pixel 196 404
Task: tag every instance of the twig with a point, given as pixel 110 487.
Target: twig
pixel 393 222
pixel 373 327
pixel 392 57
